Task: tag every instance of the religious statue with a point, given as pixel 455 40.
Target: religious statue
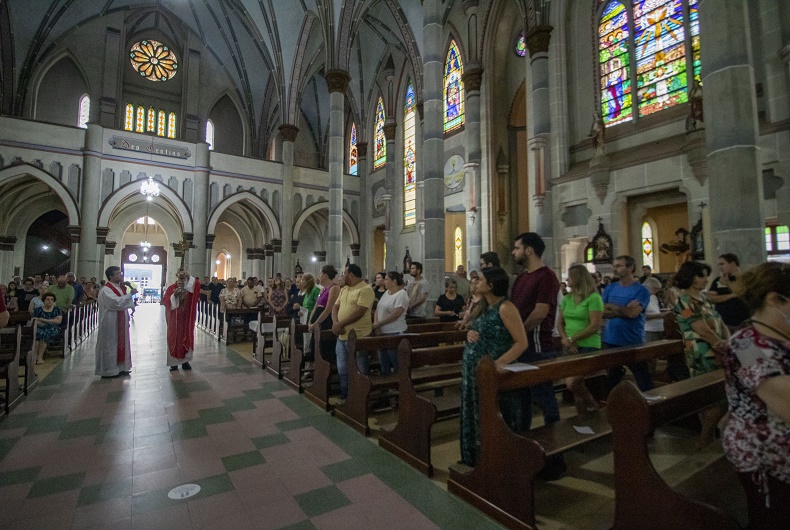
pixel 696 116
pixel 598 134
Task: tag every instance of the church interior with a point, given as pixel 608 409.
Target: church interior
pixel 245 139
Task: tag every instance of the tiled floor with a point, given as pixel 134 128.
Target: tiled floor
pixel 82 451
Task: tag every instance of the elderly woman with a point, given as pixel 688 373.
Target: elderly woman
pixel 38 301
pixel 390 318
pixel 756 363
pixel 449 305
pixel 230 296
pixel 47 318
pixel 704 334
pixel 654 318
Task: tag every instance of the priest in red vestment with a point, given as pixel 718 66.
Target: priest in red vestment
pixel 180 301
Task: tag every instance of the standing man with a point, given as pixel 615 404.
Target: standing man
pixel 79 290
pixel 647 272
pixel 732 309
pixel 489 259
pixel 625 301
pixel 113 347
pixel 180 301
pixel 462 283
pixel 4 316
pixel 64 294
pixel 418 292
pixel 351 311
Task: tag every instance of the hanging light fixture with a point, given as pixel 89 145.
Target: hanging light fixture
pixel 150 188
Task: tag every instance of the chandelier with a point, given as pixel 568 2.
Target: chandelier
pixel 150 189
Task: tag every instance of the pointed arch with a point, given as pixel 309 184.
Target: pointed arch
pixel 84 112
pixel 305 214
pixel 25 171
pixel 265 210
pixel 130 193
pixel 379 140
pixel 453 89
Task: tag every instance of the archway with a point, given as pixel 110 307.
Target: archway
pixel 311 231
pixel 48 245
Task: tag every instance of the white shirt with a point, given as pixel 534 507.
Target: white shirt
pixel 656 324
pixel 388 304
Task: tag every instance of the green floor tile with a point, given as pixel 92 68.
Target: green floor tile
pixel 302 407
pixel 290 425
pixel 215 415
pixel 6 444
pixel 213 485
pixel 42 394
pixel 49 486
pixel 188 429
pixel 304 525
pixel 80 428
pixel 18 476
pixel 237 404
pixel 242 460
pixel 258 394
pixel 322 500
pixel 150 501
pixel 271 440
pixel 105 492
pixel 228 370
pixel 46 424
pixel 115 396
pixel 348 469
pixel 16 420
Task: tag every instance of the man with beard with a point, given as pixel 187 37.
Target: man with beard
pixel 113 347
pixel 625 301
pixel 180 301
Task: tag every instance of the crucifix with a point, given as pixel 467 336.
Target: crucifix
pixel 182 246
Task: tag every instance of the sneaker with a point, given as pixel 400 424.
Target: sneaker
pixel 174 368
pixel 186 366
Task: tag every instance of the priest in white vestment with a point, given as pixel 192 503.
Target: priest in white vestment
pixel 113 347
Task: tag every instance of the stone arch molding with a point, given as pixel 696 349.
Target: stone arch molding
pixel 118 197
pixel 23 171
pixel 268 214
pixel 324 205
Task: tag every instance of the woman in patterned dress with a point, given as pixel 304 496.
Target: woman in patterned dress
pixel 48 319
pixel 756 438
pixel 497 332
pixel 704 334
pixel 230 296
pixel 278 298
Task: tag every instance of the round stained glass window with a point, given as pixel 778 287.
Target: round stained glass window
pixel 132 257
pixel 153 60
pixel 155 258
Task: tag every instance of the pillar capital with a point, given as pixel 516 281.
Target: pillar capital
pixel 277 245
pixel 109 247
pixel 473 78
pixel 362 149
pixel 337 80
pixel 7 243
pixel 210 241
pixel 101 235
pixel 355 249
pixel 294 245
pixel 289 132
pixel 538 39
pixel 389 130
pixel 74 232
pixel 269 249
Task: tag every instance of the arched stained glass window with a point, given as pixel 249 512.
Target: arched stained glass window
pixel 453 89
pixel 171 125
pixel 85 112
pixel 140 126
pixel 149 127
pixel 653 56
pixel 409 159
pixel 160 124
pixel 353 154
pixel 647 244
pixel 521 45
pixel 210 134
pixel 458 247
pixel 128 122
pixel 380 152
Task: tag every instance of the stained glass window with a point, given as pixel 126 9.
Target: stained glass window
pixel 85 111
pixel 140 126
pixel 160 124
pixel 210 134
pixel 769 240
pixel 128 123
pixel 151 120
pixel 153 60
pixel 521 45
pixel 380 152
pixel 647 244
pixel 353 154
pixel 171 125
pixel 777 241
pixel 458 247
pixel 409 159
pixel 659 41
pixel 453 89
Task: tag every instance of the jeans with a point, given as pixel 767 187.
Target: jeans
pixel 388 360
pixel 541 395
pixel 363 363
pixel 641 371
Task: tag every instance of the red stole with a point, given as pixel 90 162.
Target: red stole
pixel 120 353
pixel 181 321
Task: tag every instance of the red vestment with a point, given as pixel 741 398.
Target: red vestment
pixel 181 321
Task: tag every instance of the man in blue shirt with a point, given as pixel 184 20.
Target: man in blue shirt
pixel 625 301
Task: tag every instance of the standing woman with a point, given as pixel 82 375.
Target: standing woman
pixel 321 318
pixel 704 335
pixel 496 331
pixel 471 304
pixel 390 318
pixel 579 325
pixel 297 299
pixel 11 296
pixel 48 319
pixel 230 297
pixel 278 298
pixel 312 291
pixel 756 363
pixel 450 304
pixel 379 287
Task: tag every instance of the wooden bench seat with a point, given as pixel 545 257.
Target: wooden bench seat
pixel 280 356
pixel 642 498
pixel 501 485
pixel 410 439
pixel 236 322
pixel 10 348
pixel 296 371
pixel 318 392
pixel 360 386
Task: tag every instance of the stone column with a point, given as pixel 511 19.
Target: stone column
pixel 289 133
pixel 7 256
pixel 473 77
pixel 365 207
pixel 90 262
pixel 735 181
pixel 538 39
pixel 433 147
pixel 193 132
pixel 392 182
pixel 337 82
pixel 197 254
pixel 108 103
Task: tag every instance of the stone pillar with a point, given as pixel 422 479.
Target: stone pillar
pixel 392 182
pixel 90 262
pixel 433 147
pixel 289 133
pixel 7 256
pixel 538 39
pixel 108 103
pixel 737 219
pixel 268 269
pixel 193 132
pixel 473 77
pixel 74 234
pixel 197 254
pixel 365 207
pixel 775 60
pixel 337 82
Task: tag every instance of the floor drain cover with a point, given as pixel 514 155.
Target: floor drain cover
pixel 184 491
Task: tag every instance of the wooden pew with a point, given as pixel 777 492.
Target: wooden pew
pixel 355 410
pixel 642 498
pixel 10 347
pixel 294 377
pixel 501 485
pixel 411 438
pixel 318 392
pixel 230 329
pixel 278 357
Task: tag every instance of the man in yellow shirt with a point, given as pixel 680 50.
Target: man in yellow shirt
pixel 351 311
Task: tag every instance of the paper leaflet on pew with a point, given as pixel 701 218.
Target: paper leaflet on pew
pixel 650 398
pixel 520 367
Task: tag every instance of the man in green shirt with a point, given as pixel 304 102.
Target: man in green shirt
pixel 64 295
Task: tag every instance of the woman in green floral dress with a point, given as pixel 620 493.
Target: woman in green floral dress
pixel 497 332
